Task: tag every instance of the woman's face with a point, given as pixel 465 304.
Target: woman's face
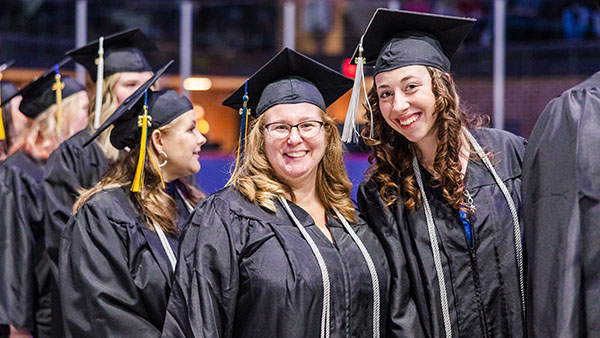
pixel 79 116
pixel 19 120
pixel 407 103
pixel 128 82
pixel 182 143
pixel 294 158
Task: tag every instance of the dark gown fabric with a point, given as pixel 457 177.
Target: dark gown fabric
pixel 70 168
pixel 114 275
pixel 481 280
pixel 561 203
pixel 25 270
pixel 244 271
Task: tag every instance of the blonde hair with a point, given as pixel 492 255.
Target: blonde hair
pixel 256 179
pixel 109 105
pixel 152 200
pixel 41 135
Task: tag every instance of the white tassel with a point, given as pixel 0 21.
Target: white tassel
pixel 99 83
pixel 350 134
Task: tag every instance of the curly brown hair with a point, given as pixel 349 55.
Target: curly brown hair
pixel 391 160
pixel 256 179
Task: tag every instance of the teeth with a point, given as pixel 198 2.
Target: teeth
pixel 410 120
pixel 297 154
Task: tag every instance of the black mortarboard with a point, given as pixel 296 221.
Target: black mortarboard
pixel 7 89
pixel 39 94
pixel 290 77
pixel 122 53
pixel 396 38
pixel 163 107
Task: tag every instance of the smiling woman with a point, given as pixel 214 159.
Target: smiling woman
pixel 282 252
pixel 122 239
pixel 433 196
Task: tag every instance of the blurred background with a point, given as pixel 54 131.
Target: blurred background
pixel 520 54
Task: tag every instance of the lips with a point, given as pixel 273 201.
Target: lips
pixel 296 154
pixel 407 121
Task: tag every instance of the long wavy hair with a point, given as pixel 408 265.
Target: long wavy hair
pixel 152 201
pixel 256 179
pixel 391 160
pixel 41 136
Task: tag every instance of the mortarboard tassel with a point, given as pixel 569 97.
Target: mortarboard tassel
pixel 244 111
pixel 350 134
pixel 144 121
pixel 2 133
pixel 58 87
pixel 99 82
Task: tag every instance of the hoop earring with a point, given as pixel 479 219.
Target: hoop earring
pixel 160 165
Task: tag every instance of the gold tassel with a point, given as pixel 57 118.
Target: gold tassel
pixel 2 133
pixel 144 121
pixel 244 110
pixel 58 87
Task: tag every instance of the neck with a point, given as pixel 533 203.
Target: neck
pixel 426 149
pixel 306 194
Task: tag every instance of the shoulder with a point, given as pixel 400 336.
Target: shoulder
pixel 74 144
pixel 113 204
pixel 22 167
pixel 500 141
pixel 230 201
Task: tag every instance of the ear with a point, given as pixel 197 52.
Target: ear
pixel 156 138
pixel 448 77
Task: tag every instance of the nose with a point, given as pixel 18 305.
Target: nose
pixel 294 136
pixel 201 139
pixel 401 103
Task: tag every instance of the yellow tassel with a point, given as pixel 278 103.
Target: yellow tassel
pixel 58 87
pixel 138 179
pixel 162 181
pixel 2 134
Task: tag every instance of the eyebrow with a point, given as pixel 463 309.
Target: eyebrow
pixel 403 80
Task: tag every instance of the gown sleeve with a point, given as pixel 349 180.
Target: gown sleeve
pixel 19 230
pixel 98 295
pixel 403 316
pixel 61 185
pixel 205 289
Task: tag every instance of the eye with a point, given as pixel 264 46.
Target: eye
pixel 307 125
pixel 280 126
pixel 411 87
pixel 385 94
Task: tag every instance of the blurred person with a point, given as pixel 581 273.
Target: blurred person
pixel 281 252
pixel 25 275
pixel 446 210
pixel 12 120
pixel 118 250
pixel 561 203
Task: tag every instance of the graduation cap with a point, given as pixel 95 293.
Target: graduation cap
pixel 139 115
pixel 44 91
pixel 289 77
pixel 116 53
pixel 7 90
pixel 396 38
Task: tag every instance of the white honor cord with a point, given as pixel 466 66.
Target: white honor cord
pixel 188 206
pixel 166 246
pixel 325 314
pixel 372 271
pixel 435 250
pixel 513 212
pixel 99 83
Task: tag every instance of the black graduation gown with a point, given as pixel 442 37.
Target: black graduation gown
pixel 114 275
pixel 25 270
pixel 482 282
pixel 561 202
pixel 70 168
pixel 244 271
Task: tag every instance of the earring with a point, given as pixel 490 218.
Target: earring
pixel 165 162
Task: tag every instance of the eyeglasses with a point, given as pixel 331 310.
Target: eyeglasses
pixel 306 129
